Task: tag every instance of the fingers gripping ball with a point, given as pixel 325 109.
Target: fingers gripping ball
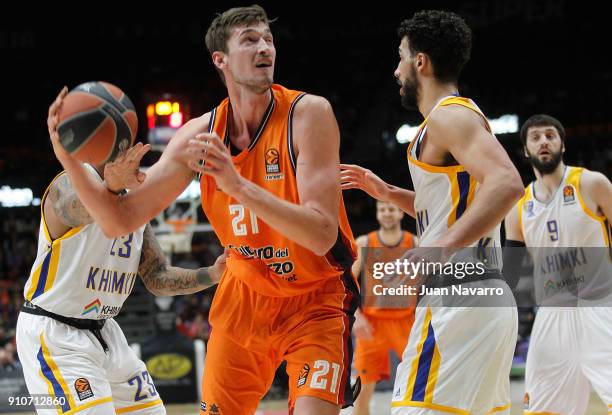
pixel 97 121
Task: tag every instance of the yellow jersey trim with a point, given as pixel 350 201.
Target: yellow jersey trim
pixel 433 375
pixel 137 407
pixel 55 370
pixel 49 388
pixel 521 207
pixel 415 362
pixel 499 409
pixel 429 405
pixel 50 267
pixel 464 102
pixel 71 231
pixel 573 178
pixel 89 405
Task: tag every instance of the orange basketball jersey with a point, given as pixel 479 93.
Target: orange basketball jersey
pixel 268 261
pixel 377 251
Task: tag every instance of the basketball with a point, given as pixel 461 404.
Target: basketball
pixel 97 121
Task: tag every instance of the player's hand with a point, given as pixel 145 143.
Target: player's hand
pixel 62 155
pixel 123 172
pixel 356 177
pixel 217 161
pixel 362 327
pixel 218 268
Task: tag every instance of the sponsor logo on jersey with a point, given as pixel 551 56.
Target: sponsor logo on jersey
pixel 303 376
pixel 110 281
pixel 203 406
pixel 273 170
pixel 568 194
pixel 83 388
pixel 570 284
pixel 169 366
pixel 94 306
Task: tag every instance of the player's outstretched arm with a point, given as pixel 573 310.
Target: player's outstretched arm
pixel 462 133
pixel 357 177
pixel 119 215
pixel 161 279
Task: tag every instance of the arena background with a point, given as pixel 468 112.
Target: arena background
pixel 528 57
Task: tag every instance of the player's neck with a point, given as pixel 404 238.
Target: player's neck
pixel 390 236
pixel 247 111
pixel 548 184
pixel 432 92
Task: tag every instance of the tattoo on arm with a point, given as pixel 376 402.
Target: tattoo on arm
pixel 66 204
pixel 162 279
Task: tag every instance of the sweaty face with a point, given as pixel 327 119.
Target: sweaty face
pixel 388 215
pixel 544 148
pixel 251 56
pixel 406 77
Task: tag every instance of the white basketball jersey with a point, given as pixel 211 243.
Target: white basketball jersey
pixel 443 193
pixel 83 274
pixel 566 222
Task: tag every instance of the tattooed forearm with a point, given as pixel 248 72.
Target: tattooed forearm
pixel 66 204
pixel 162 279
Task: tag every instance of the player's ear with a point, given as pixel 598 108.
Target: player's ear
pixel 218 59
pixel 525 152
pixel 419 61
pixel 423 63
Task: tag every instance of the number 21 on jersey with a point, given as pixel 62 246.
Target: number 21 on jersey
pixel 241 225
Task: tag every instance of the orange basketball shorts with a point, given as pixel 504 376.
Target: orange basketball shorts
pixel 372 355
pixel 253 333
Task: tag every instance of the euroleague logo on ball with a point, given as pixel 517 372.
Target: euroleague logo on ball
pixel 124 145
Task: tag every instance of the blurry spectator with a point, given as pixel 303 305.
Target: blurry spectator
pixel 199 328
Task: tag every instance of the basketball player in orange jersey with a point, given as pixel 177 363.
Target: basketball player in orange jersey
pixel 380 327
pixel 457 359
pixel 269 164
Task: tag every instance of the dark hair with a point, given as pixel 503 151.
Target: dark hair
pixel 221 27
pixel 541 120
pixel 443 36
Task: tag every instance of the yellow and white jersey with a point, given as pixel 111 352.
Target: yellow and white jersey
pixel 83 274
pixel 565 221
pixel 563 236
pixel 443 194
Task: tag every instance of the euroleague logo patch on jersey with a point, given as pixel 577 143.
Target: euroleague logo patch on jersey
pixel 526 401
pixel 83 388
pixel 273 170
pixel 569 196
pixel 529 208
pixel 303 376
